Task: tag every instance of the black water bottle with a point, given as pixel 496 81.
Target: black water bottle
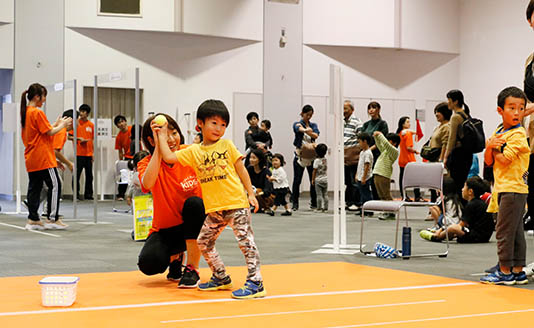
pixel 406 241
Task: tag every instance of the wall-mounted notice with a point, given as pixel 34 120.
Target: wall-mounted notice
pixel 104 128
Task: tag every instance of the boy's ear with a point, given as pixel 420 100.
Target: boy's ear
pixel 499 110
pixel 200 122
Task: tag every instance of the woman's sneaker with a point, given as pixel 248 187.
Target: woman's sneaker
pixel 250 290
pixel 175 269
pixel 521 278
pixel 499 278
pixel 216 284
pixel 190 278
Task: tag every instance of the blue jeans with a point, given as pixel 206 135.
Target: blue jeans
pixel 365 191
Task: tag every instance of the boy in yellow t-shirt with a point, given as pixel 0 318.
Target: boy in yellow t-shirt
pixel 223 179
pixel 508 151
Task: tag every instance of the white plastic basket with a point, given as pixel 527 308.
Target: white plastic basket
pixel 58 291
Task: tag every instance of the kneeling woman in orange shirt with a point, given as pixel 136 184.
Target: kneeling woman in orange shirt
pixel 39 156
pixel 178 209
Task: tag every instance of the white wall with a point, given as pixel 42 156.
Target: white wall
pixel 430 25
pixel 156 15
pixel 349 22
pixel 7 13
pixel 194 69
pixel 229 18
pixel 495 42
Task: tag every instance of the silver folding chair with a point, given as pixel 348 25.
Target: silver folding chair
pixel 119 165
pixel 416 175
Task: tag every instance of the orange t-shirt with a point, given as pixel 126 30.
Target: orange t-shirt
pixel 406 156
pixel 38 152
pixel 173 186
pixel 59 139
pixel 85 130
pixel 122 141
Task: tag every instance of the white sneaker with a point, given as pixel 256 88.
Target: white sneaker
pixel 353 208
pixel 34 227
pixel 529 269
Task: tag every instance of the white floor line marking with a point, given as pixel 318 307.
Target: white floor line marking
pixel 142 305
pixel 435 319
pixel 125 230
pixel 34 231
pixel 478 274
pixel 304 311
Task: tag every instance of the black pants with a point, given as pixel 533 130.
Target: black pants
pixel 85 163
pixel 352 194
pixel 51 178
pixel 458 163
pixel 121 190
pixel 416 191
pixel 298 171
pixel 161 245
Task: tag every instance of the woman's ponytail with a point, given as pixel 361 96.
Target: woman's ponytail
pixel 23 108
pixel 466 109
pixel 34 90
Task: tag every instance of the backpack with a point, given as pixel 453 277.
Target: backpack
pixel 471 134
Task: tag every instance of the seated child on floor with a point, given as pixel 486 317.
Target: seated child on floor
pixel 476 225
pixel 453 206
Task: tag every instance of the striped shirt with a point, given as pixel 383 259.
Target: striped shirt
pixel 350 128
pixel 388 156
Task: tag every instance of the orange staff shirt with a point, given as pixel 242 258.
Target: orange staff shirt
pixel 59 139
pixel 174 185
pixel 122 141
pixel 84 130
pixel 38 152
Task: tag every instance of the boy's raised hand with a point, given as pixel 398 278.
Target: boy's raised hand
pixel 495 143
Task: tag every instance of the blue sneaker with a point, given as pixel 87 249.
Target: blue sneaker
pixel 493 269
pixel 498 278
pixel 250 290
pixel 216 284
pixel 521 278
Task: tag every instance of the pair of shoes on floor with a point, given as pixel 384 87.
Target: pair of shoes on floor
pixel 286 213
pixel 251 289
pixel 175 269
pixel 270 212
pixel 353 207
pixel 190 278
pixel 500 278
pixel 55 225
pixel 428 235
pixel 120 199
pixel 493 269
pixel 387 216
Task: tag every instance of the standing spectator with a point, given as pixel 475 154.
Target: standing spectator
pixel 440 136
pixel 365 172
pixel 122 144
pixel 457 159
pixel 352 150
pixel 406 154
pixel 40 160
pixel 507 149
pixel 84 151
pixel 320 178
pixel 305 134
pixel 280 184
pixel 376 123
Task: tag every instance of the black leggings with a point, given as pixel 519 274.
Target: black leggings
pixel 52 180
pixel 161 245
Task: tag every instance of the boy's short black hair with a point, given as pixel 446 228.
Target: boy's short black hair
pixel 68 113
pixel 267 124
pixel 139 156
pixel 307 109
pixel 281 158
pixel 118 118
pixel 364 136
pixel 514 92
pixel 321 150
pixel 393 137
pixel 479 186
pixel 213 108
pixel 85 108
pixel 530 9
pixel 252 115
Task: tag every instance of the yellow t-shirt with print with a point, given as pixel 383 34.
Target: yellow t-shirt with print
pixel 511 177
pixel 214 164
